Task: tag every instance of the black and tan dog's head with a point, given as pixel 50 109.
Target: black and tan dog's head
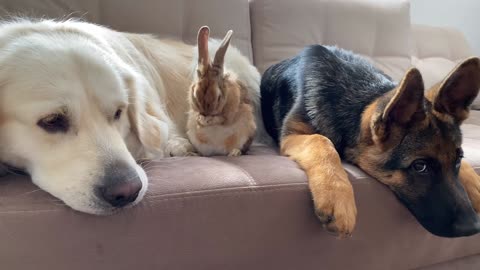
pixel 411 141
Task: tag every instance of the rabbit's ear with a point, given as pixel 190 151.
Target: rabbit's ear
pixel 220 54
pixel 202 42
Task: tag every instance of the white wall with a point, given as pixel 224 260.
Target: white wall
pixel 463 15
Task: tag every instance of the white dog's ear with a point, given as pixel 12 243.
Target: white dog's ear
pixel 144 117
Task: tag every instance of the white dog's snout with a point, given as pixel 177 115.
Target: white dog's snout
pixel 121 185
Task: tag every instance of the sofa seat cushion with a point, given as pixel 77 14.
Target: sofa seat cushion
pixel 229 213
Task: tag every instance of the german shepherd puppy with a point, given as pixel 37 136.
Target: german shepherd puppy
pixel 327 104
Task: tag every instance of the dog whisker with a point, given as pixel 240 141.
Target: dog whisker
pixel 29 192
pixel 60 204
pixel 55 200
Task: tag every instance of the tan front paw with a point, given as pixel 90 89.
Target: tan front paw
pixel 471 182
pixel 336 209
pixel 474 193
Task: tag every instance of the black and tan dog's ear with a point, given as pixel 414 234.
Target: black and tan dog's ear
pixel 407 101
pixel 456 93
pixel 406 105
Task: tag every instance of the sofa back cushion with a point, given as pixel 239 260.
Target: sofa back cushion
pixel 436 51
pixel 379 30
pixel 179 19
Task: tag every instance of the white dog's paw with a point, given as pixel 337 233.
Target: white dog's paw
pixel 235 153
pixel 179 147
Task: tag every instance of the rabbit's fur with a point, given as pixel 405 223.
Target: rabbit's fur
pixel 221 119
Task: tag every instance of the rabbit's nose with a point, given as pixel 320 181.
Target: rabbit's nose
pixel 207 107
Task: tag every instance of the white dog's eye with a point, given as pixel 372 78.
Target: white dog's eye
pixel 118 114
pixel 54 123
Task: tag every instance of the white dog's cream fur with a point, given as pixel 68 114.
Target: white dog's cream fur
pixel 89 72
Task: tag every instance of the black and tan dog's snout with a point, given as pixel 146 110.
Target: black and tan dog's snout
pixel 121 185
pixel 445 210
pixel 466 225
pixel 466 221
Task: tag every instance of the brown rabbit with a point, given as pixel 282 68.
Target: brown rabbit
pixel 221 119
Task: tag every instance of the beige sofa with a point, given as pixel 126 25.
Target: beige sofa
pixel 251 212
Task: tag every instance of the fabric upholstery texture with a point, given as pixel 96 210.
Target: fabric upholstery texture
pixel 465 263
pixel 179 19
pixel 224 213
pixel 255 211
pixel 436 51
pixel 380 32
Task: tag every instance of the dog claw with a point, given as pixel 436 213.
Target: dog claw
pixel 337 217
pixel 324 219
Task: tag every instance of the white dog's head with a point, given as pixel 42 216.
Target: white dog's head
pixel 65 117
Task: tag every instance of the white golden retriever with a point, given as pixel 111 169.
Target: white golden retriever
pixel 80 103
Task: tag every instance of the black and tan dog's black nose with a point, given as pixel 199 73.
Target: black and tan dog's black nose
pixel 121 185
pixel 466 226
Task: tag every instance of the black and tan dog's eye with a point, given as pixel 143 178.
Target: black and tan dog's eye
pixel 54 123
pixel 118 114
pixel 460 156
pixel 420 166
pixel 458 164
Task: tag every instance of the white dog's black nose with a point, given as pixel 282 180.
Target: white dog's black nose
pixel 121 194
pixel 121 187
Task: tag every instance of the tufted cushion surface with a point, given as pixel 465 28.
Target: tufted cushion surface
pixel 254 211
pixel 224 213
pixel 436 51
pixel 179 19
pixel 381 32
